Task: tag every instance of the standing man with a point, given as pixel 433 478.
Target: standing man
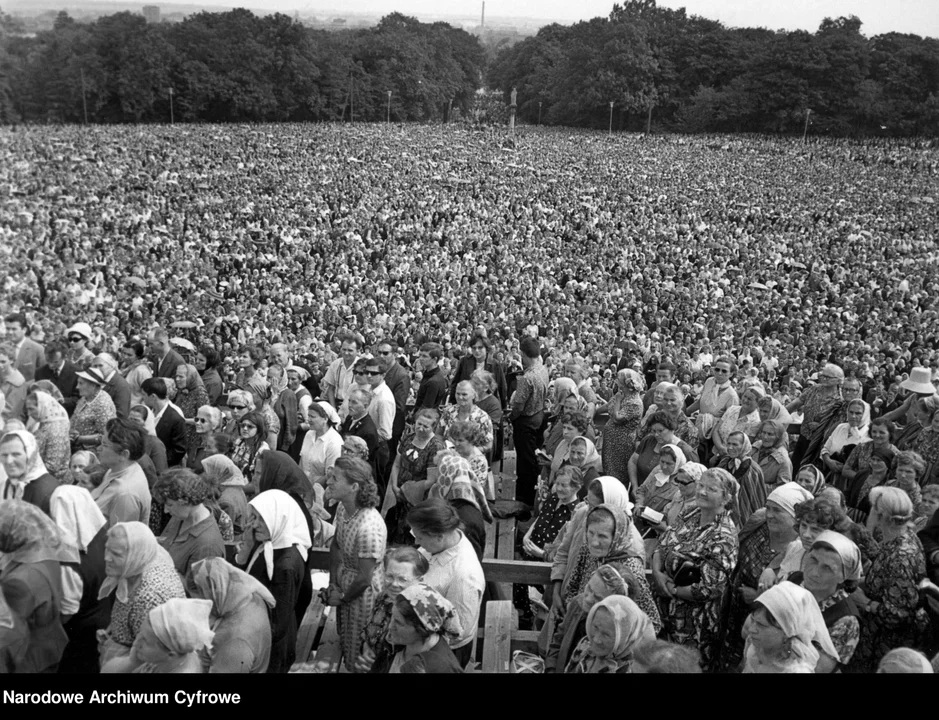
pixel 29 354
pixel 124 494
pixel 338 377
pixel 398 381
pixel 665 372
pixel 170 426
pixel 117 387
pixel 166 360
pixel 432 392
pixel 61 373
pixel 527 418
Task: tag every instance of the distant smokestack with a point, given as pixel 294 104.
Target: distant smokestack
pixel 482 22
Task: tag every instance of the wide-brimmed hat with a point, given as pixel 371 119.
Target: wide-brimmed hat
pixel 80 328
pixel 919 382
pixel 93 375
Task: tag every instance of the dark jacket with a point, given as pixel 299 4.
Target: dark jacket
pixel 81 654
pixel 467 366
pixel 66 381
pixel 432 392
pixel 171 430
pixel 167 367
pixel 119 391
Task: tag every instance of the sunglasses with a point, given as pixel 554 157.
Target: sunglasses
pixel 237 407
pixel 201 420
pixel 248 426
pixel 75 339
pixel 373 373
pixel 384 352
pixel 679 481
pixel 719 370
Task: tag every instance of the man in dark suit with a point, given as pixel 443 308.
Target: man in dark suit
pixel 117 386
pixel 170 425
pixel 29 354
pixel 360 423
pixel 398 381
pixel 61 373
pixel 165 359
pixel 432 392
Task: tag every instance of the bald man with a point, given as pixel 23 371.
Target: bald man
pixel 116 386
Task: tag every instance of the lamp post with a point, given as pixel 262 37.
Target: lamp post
pixel 539 113
pixel 388 115
pixel 172 120
pixel 611 118
pixel 449 111
pixel 805 131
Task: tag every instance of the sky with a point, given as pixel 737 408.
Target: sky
pixel 879 16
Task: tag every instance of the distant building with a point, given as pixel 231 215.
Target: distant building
pixel 151 13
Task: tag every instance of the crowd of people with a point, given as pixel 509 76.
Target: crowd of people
pixel 225 347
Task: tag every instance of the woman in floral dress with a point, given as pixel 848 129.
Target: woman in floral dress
pixel 619 435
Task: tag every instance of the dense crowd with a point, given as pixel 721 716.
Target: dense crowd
pixel 226 346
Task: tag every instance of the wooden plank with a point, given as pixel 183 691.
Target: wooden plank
pixel 491 532
pixel 506 551
pixel 497 643
pixel 313 620
pixel 329 652
pixel 509 466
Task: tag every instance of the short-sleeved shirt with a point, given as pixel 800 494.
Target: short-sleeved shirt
pixel 202 540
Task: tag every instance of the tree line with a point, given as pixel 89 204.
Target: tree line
pixel 695 75
pixel 655 65
pixel 236 67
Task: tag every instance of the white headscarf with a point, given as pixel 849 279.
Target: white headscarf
pixel 50 410
pixel 143 550
pixel 788 496
pixel 796 612
pixel 78 516
pixel 182 625
pixel 286 524
pixel 35 467
pixel 149 421
pixel 848 552
pixel 615 493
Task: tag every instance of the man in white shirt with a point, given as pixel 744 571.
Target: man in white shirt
pixel 338 377
pixel 123 495
pixel 382 407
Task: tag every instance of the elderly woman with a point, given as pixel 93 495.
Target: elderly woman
pixel 322 445
pixel 141 576
pixel 660 487
pixel 783 631
pixel 672 403
pixel 220 472
pixel 357 547
pixel 260 389
pixel 192 533
pixel 408 483
pixel 240 617
pixel 423 622
pixel 573 425
pixel 744 418
pixel 615 626
pixel 693 563
pixel 207 421
pixel 252 431
pixel 820 405
pixel 31 580
pixel 764 539
pixel 771 409
pixel 906 661
pixel 738 461
pixel 621 430
pixel 190 396
pixel 284 404
pixel 458 484
pixel 466 411
pixel 771 454
pixel 486 387
pixel 26 476
pixel 240 402
pixel 83 527
pixel 277 545
pixel 646 458
pixel 49 424
pixel 94 409
pixel 846 437
pixel 402 567
pixel 583 455
pixel 889 595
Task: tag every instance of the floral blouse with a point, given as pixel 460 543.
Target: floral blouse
pixel 892 580
pixel 54 447
pixel 846 631
pixel 91 416
pixel 715 544
pixel 479 418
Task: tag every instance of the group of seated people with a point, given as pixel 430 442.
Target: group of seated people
pixel 154 520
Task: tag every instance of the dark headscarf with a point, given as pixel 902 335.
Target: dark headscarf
pixel 280 472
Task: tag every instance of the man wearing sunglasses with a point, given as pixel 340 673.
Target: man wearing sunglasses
pixel 398 381
pixel 717 395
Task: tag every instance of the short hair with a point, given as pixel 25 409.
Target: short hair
pixel 379 361
pixel 17 318
pixel 223 442
pixel 729 484
pixel 349 338
pixel 128 435
pixel 931 492
pixel 428 413
pixel 108 360
pixel 435 350
pixel 530 347
pixel 364 393
pixel 575 474
pixel 434 517
pixel 154 386
pixel 667 365
pixel 909 458
pixel 577 419
pixel 894 503
pixel 214 413
pixel 136 346
pixel 253 352
pixel 660 657
pixel 358 471
pixel 160 334
pixel 729 361
pixel 56 347
pixel 481 339
pixel 211 356
pixel 820 511
pixel 466 385
pixel 673 388
pixel 904 661
pixel 95 474
pixel 407 554
pixel 181 485
pixel 484 376
pixel 660 417
pixel 885 423
pixel 462 430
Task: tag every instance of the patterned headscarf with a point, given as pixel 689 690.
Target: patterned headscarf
pixel 78 516
pixel 818 479
pixel 457 481
pixel 622 548
pixel 28 535
pixel 633 628
pixel 796 612
pixel 143 550
pixel 693 470
pixel 221 471
pixel 182 625
pixel 193 379
pixel 225 585
pixel 260 386
pixel 50 410
pixel 788 496
pixel 435 613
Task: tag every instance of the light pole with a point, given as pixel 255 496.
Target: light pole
pixel 84 101
pixel 172 120
pixel 388 116
pixel 808 112
pixel 539 113
pixel 611 118
pixel 449 111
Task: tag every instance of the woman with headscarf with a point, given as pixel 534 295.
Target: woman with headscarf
pixel 170 639
pixel 771 454
pixel 573 425
pixel 49 424
pixel 284 404
pixel 765 538
pixel 26 476
pixel 422 623
pixel 240 616
pixel 32 552
pixel 831 570
pixel 744 418
pixel 208 420
pixel 82 526
pixel 192 533
pixel 821 405
pixel 190 396
pixel 846 436
pixel 615 628
pixel 621 430
pixel 812 479
pixel 583 455
pixel 221 473
pixel 276 548
pixel 459 485
pixel 660 488
pixel 141 576
pixel 783 631
pixel 260 388
pixel 693 563
pixel 739 462
pixel 296 376
pixel 646 457
pixel 906 661
pixel 771 409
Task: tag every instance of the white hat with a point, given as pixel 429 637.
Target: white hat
pixel 83 329
pixel 919 382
